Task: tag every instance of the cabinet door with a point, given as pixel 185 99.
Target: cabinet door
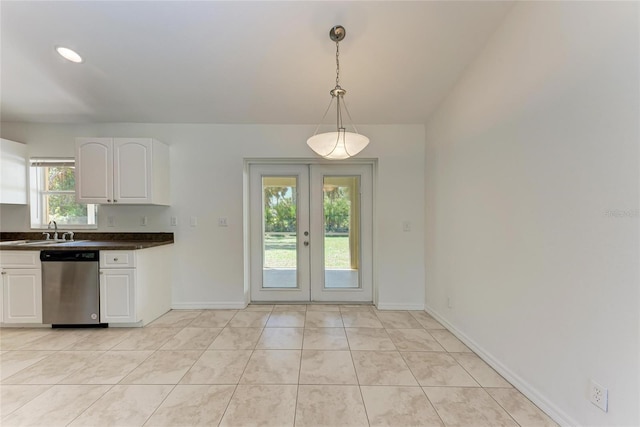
pixel 13 172
pixel 132 176
pixel 22 295
pixel 2 298
pixel 117 296
pixel 94 170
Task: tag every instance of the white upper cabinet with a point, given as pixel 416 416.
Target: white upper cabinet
pixel 94 170
pixel 122 171
pixel 13 172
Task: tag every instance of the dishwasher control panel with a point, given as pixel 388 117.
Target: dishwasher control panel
pixel 69 256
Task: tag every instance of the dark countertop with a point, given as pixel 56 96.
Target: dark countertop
pixel 89 241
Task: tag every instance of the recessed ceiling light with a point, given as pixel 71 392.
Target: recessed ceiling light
pixel 69 54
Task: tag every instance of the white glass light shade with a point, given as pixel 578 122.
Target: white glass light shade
pixel 338 145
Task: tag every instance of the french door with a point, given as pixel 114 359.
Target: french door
pixel 311 232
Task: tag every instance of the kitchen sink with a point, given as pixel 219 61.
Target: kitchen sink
pixel 40 242
pixel 12 242
pixel 49 242
pixel 69 242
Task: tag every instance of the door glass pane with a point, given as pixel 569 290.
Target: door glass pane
pixel 341 231
pixel 280 227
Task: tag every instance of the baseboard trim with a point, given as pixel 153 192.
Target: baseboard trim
pixel 225 305
pixel 524 387
pixel 394 306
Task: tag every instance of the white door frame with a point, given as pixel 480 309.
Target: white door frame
pixel 256 234
pixel 316 292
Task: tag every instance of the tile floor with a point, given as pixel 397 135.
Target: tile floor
pixel 278 365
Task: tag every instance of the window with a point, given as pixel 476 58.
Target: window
pixel 53 196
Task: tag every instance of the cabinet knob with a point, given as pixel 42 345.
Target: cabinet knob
pixel 4 272
pixel 115 259
pixel 115 201
pixel 108 200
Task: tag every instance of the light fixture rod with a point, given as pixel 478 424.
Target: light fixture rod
pixel 339 114
pixel 349 116
pixel 337 65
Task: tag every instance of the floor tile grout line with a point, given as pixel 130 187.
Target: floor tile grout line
pixel 86 338
pixel 410 370
pixel 124 376
pixel 503 408
pixel 147 358
pixel 2 416
pixel 8 352
pixel 408 367
pixel 160 404
pixel 295 407
pixel 364 405
pixel 353 363
pixel 465 369
pixel 91 404
pixel 54 352
pixel 238 382
pixel 433 406
pixel 202 352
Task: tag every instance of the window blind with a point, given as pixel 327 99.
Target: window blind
pixel 53 162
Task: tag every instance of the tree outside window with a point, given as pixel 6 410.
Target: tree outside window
pixel 53 196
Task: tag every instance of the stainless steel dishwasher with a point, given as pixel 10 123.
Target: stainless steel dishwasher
pixel 70 287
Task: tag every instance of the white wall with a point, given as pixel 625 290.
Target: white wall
pixel 532 203
pixel 207 182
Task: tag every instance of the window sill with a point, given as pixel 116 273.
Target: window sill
pixel 66 227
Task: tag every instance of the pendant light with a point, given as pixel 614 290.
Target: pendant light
pixel 340 144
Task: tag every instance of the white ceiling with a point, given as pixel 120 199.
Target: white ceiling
pixel 235 62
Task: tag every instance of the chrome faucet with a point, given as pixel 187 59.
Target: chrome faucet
pixel 55 224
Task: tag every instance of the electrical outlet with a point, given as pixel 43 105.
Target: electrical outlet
pixel 406 225
pixel 449 302
pixel 222 222
pixel 173 221
pixel 193 221
pixel 111 221
pixel 143 220
pixel 599 396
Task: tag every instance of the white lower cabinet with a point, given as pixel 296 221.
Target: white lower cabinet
pixel 117 295
pixel 135 286
pixel 21 287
